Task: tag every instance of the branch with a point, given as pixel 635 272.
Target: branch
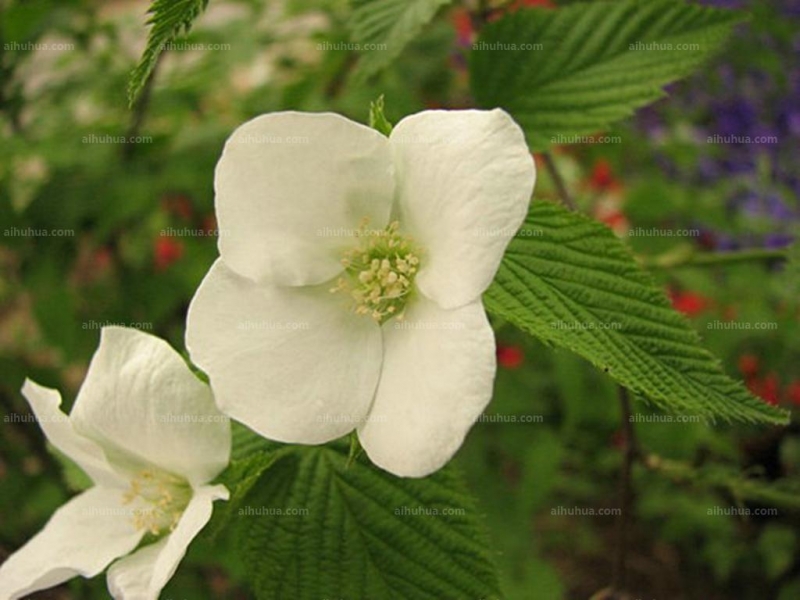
pixel 561 187
pixel 687 256
pixel 630 453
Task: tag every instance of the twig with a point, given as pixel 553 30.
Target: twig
pixel 686 256
pixel 140 110
pixel 630 453
pixel 563 193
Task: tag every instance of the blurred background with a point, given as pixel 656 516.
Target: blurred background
pixel 106 216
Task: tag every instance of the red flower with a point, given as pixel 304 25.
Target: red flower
pixel 510 357
pixel 767 389
pixel 463 26
pixel 602 177
pixel 616 220
pixel 689 303
pixel 167 251
pixel 748 365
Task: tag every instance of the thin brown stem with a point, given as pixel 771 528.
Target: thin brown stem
pixel 630 453
pixel 561 187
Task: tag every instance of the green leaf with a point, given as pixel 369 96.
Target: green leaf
pixel 574 71
pixel 377 119
pixel 169 19
pixel 317 528
pixel 251 456
pixel 382 28
pixel 777 546
pixel 569 281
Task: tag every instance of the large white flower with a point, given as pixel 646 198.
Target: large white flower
pixel 146 431
pixel 348 291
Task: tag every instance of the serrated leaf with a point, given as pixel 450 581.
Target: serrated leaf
pixel 382 28
pixel 576 70
pixel 569 281
pixel 169 19
pixel 329 530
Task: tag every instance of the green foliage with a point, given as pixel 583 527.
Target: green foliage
pixel 378 120
pixel 569 281
pixel 777 546
pixel 576 70
pixel 351 531
pixel 169 19
pixel 389 24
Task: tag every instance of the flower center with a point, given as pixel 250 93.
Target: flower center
pixel 380 272
pixel 162 497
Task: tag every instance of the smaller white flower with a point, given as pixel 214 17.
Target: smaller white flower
pixel 146 431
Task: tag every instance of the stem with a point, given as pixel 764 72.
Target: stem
pixel 140 110
pixel 561 187
pixel 630 453
pixel 739 488
pixel 687 257
pixel 335 86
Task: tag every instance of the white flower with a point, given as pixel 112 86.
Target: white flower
pixel 348 291
pixel 146 431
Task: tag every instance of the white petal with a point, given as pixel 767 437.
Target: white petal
pixel 143 574
pixel 294 364
pixel 81 538
pixel 437 378
pixel 291 189
pixel 465 180
pixel 60 432
pixel 140 401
